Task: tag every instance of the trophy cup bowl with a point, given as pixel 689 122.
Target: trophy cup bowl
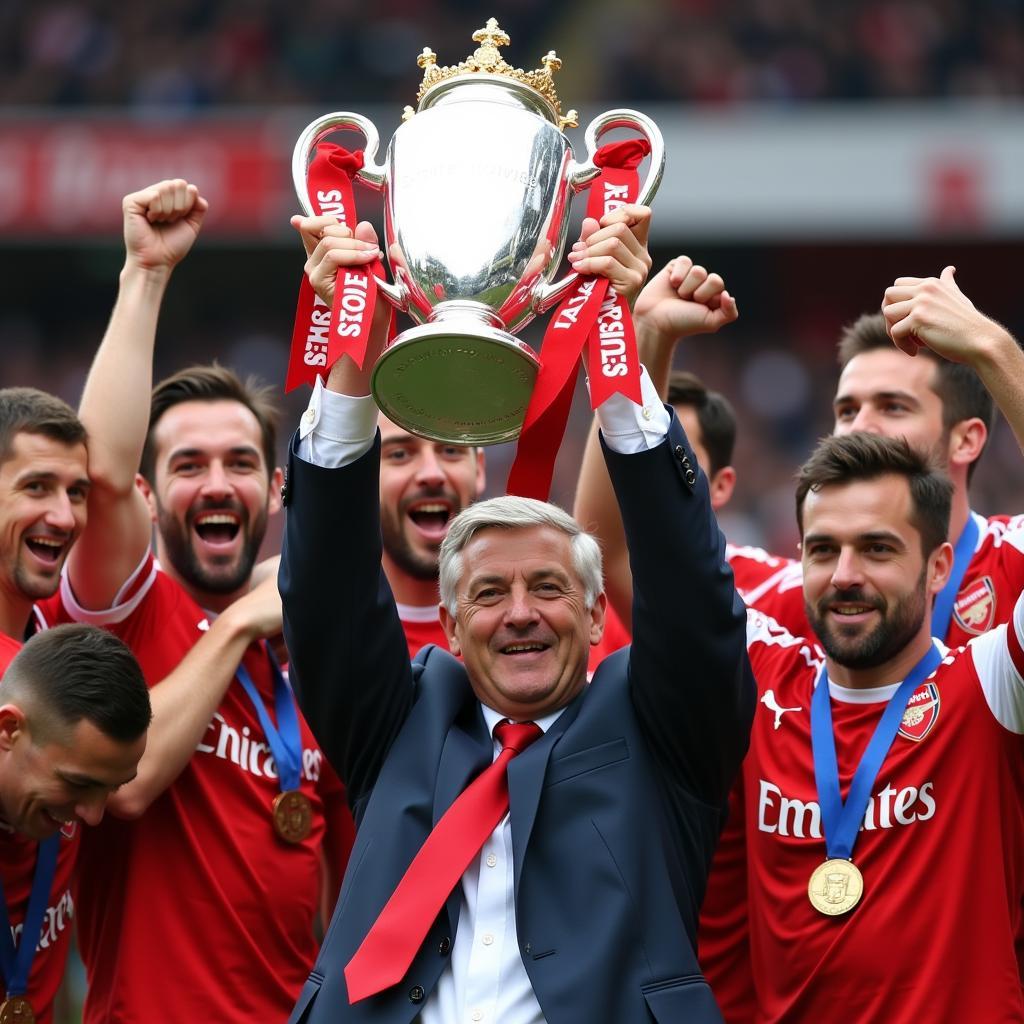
pixel 477 187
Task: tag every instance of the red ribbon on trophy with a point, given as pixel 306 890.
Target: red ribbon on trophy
pixel 591 315
pixel 321 336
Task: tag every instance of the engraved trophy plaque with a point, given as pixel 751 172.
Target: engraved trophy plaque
pixel 477 183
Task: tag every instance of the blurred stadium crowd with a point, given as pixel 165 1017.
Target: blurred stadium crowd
pixel 193 54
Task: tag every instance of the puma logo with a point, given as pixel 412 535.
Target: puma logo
pixel 769 701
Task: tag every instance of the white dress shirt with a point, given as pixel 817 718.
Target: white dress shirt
pixel 485 981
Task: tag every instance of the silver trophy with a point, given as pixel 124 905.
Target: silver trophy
pixel 477 185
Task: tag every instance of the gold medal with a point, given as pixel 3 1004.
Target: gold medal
pixel 835 887
pixel 293 818
pixel 16 1010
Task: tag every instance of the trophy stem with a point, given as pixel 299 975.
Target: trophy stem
pixel 464 309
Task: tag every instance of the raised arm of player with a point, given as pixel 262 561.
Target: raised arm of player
pixel 934 312
pixel 185 701
pixel 683 299
pixel 160 224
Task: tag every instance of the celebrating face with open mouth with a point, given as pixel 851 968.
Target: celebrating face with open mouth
pixel 211 497
pixel 423 486
pixel 44 486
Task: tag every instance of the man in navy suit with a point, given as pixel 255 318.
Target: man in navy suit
pixel 581 905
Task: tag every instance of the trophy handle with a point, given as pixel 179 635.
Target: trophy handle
pixel 371 173
pixel 581 175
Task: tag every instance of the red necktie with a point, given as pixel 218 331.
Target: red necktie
pixel 399 931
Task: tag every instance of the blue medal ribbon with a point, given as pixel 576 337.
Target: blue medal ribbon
pixel 285 740
pixel 841 821
pixel 17 962
pixel 942 609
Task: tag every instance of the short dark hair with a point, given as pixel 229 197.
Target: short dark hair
pixel 75 671
pixel 31 411
pixel 715 416
pixel 860 456
pixel 212 383
pixel 960 390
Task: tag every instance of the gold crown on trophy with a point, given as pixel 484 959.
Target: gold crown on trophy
pixel 486 59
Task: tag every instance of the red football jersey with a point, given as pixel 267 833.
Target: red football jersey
pixel 422 626
pixel 723 947
pixel 985 599
pixel 198 907
pixel 941 847
pixel 755 571
pixel 993 580
pixel 18 855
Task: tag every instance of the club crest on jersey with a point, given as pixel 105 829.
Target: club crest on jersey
pixel 922 712
pixel 975 606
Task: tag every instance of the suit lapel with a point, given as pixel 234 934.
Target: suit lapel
pixel 526 780
pixel 466 752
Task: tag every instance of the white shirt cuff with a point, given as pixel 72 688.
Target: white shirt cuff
pixel 629 428
pixel 335 429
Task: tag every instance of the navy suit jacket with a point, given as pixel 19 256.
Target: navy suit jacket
pixel 615 811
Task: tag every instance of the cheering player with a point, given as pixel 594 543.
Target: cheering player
pixel 43 487
pixel 205 905
pixel 875 860
pixel 943 408
pixel 73 716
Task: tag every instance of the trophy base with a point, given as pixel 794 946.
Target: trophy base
pixel 465 384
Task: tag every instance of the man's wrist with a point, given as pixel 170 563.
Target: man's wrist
pixel 145 280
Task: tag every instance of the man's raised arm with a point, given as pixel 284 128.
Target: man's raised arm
pixel 934 312
pixel 682 300
pixel 689 674
pixel 160 224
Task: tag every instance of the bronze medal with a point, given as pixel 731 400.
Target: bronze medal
pixel 16 1010
pixel 835 887
pixel 293 817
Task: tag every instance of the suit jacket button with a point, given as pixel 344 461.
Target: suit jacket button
pixel 691 477
pixel 680 452
pixel 444 946
pixel 416 994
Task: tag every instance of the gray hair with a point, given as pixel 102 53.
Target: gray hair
pixel 514 513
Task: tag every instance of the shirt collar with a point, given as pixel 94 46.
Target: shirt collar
pixel 492 718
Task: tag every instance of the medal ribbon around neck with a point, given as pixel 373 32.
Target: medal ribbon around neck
pixel 17 963
pixel 841 821
pixel 284 740
pixel 942 609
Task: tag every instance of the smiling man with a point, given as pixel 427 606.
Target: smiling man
pixel 73 715
pixel 863 900
pixel 43 490
pixel 529 847
pixel 44 483
pixel 213 857
pixel 942 408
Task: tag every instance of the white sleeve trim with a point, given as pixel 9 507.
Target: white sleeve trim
pixel 1001 679
pixel 120 609
pixel 336 429
pixel 629 428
